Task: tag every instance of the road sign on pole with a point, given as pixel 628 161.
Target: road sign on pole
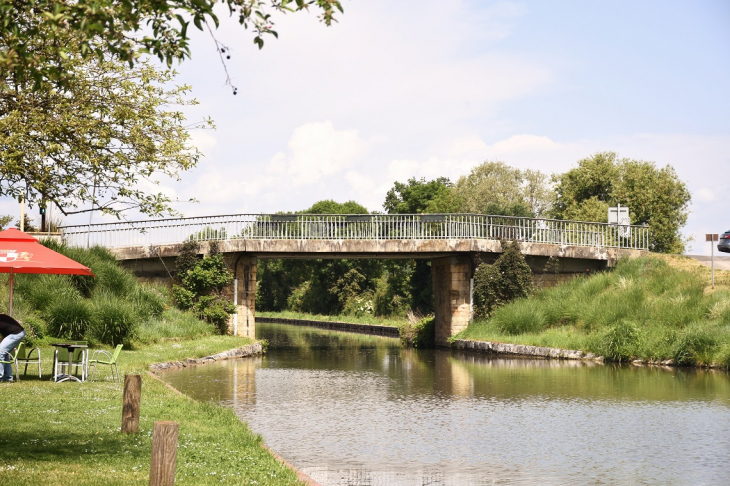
pixel 619 216
pixel 712 238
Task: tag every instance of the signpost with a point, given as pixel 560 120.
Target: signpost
pixel 620 217
pixel 712 238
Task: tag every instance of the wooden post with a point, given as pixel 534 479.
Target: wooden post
pixel 164 454
pixel 130 403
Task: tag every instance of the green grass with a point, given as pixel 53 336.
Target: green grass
pixel 68 433
pixel 653 308
pixel 370 320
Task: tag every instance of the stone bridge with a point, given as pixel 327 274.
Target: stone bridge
pixel 455 244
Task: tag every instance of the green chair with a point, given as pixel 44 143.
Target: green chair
pixel 25 355
pixel 111 360
pixel 11 360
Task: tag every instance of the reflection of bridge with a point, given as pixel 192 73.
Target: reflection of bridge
pixel 454 243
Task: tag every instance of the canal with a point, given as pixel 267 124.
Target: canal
pixel 350 409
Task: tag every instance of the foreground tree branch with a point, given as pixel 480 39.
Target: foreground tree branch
pixel 100 142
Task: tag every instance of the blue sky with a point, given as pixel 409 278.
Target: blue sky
pixel 432 88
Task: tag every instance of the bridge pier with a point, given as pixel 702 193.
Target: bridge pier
pixel 244 322
pixel 452 296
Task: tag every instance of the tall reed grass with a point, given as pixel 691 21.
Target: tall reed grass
pixel 644 308
pixel 111 308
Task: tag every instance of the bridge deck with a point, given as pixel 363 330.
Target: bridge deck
pixel 377 231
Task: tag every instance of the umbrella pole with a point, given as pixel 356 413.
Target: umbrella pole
pixel 10 306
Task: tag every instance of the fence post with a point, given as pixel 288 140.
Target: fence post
pixel 164 453
pixel 130 403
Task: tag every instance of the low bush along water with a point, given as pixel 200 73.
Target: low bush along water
pixel 112 308
pixel 644 308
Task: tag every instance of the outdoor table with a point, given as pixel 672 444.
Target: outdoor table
pixel 71 347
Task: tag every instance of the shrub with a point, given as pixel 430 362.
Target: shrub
pixel 188 257
pixel 694 345
pixel 215 310
pixel 418 331
pixel 507 279
pixel 114 279
pixel 148 301
pixel 69 318
pixel 619 342
pixel 41 291
pixel 34 329
pixel 202 283
pixel 114 320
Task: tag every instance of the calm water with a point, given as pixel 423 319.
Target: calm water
pixel 350 409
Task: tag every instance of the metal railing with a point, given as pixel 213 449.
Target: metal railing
pixel 356 227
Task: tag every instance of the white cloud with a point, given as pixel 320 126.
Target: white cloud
pixel 705 194
pixel 318 150
pixel 525 143
pixel 203 140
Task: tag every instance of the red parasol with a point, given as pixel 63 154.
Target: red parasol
pixel 21 253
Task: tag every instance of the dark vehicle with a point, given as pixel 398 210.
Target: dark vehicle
pixel 724 243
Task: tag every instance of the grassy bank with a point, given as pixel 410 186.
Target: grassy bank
pixel 368 320
pixel 652 308
pixel 68 433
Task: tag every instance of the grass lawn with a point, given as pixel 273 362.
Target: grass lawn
pixel 68 433
pixel 367 319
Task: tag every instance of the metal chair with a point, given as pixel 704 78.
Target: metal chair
pixel 111 361
pixel 11 360
pixel 25 355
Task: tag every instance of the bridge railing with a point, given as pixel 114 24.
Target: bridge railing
pixel 356 227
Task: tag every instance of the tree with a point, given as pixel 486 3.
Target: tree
pixel 419 196
pixel 123 30
pixel 654 196
pixel 201 285
pixel 496 188
pixel 101 142
pixel 508 278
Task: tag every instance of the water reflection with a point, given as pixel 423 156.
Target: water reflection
pixel 354 409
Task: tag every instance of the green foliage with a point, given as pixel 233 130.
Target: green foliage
pixel 418 332
pixel 69 318
pixel 149 302
pixel 111 311
pixel 5 221
pixel 359 305
pixel 188 257
pixel 695 345
pixel 644 308
pixel 121 31
pixel 619 342
pixel 416 196
pixel 94 142
pixel 115 320
pixel 654 196
pixel 328 206
pixel 507 279
pixel 498 189
pixel 201 285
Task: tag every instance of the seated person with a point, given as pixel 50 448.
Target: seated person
pixel 12 333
